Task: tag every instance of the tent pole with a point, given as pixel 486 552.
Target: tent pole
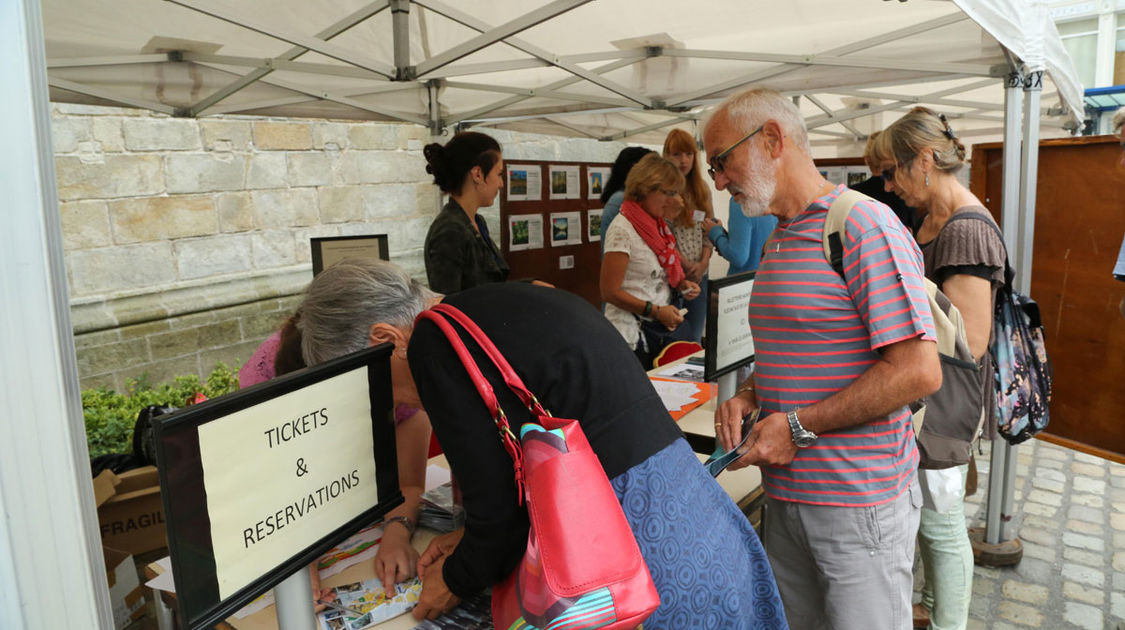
pixel 400 23
pixel 53 568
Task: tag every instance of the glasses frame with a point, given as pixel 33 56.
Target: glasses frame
pixel 716 164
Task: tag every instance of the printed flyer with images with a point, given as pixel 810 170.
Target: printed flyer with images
pixel 363 604
pixel 524 182
pixel 564 182
pixel 596 178
pixel 566 228
pixel 594 225
pixel 525 231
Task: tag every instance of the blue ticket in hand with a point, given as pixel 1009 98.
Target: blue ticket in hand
pixel 720 459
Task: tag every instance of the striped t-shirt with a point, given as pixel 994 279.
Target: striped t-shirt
pixel 814 335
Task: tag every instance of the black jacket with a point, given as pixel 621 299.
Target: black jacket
pixel 457 257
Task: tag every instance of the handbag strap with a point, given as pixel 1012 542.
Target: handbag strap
pixel 514 382
pixel 484 388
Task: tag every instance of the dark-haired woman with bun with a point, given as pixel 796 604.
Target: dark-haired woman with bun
pixel 459 253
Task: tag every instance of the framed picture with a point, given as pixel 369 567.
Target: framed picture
pixel 329 250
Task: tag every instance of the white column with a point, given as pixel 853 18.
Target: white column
pixel 1107 44
pixel 52 570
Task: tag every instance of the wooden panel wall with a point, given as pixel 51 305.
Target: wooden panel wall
pixel 1079 223
pixel 544 263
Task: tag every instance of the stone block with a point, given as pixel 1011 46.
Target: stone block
pixel 1019 613
pixel 232 356
pixel 212 256
pixel 95 360
pixel 205 172
pixel 95 110
pixel 236 211
pixel 267 170
pixel 1083 513
pixel 1083 616
pixel 1117 605
pixel 1086 484
pixel 1036 535
pixel 381 167
pixel 377 136
pixel 287 208
pixel 107 381
pixel 161 134
pixel 225 135
pixel 108 132
pixel 1088 500
pixel 159 218
pixel 406 235
pixel 1028 593
pixel 1083 527
pixel 142 331
pixel 1117 521
pixel 98 338
pixel 102 270
pixel 301 239
pixel 310 168
pixel 427 199
pixel 1083 575
pixel 389 201
pixel 282 136
pixel 1087 558
pixel 192 340
pixel 1046 498
pixel 191 320
pixel 85 224
pixel 116 176
pixel 330 136
pixel 341 204
pixel 273 248
pixel 1040 552
pixel 1093 471
pixel 68 131
pixel 258 327
pixel 1046 484
pixel 163 371
pixel 1089 459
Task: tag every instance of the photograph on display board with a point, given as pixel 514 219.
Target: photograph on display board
pixel 857 174
pixel 566 228
pixel 594 225
pixel 524 182
pixel 596 177
pixel 564 182
pixel 525 231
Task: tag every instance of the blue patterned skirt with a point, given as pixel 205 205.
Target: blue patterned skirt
pixel 708 564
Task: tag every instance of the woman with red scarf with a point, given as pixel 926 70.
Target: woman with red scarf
pixel 641 274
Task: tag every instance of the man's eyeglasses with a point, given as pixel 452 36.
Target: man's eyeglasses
pixel 718 163
pixel 888 175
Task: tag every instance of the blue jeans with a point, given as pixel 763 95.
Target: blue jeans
pixel 947 560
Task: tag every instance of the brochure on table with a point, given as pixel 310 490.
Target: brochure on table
pixel 258 483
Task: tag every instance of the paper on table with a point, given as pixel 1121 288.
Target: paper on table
pixel 676 394
pixel 164 581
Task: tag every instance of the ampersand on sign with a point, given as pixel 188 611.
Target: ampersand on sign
pixel 301 467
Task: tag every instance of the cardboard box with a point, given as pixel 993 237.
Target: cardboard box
pixel 126 594
pixel 130 514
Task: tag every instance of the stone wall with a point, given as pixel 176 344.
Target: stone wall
pixel 187 241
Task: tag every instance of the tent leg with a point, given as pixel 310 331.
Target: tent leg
pixel 293 599
pixel 52 566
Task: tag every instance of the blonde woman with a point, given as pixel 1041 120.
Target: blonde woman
pixel 964 255
pixel 641 270
pixel 687 225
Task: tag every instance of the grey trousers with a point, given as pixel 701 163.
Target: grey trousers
pixel 840 568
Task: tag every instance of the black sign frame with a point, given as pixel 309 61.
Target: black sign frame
pixel 318 243
pixel 711 371
pixel 185 501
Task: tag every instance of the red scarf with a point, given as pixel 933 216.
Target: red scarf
pixel 659 239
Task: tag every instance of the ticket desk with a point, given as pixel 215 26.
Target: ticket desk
pixel 743 486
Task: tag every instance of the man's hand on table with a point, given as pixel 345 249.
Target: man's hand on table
pixel 770 444
pixel 436 597
pixel 319 594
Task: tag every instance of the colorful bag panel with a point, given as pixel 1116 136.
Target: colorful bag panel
pixel 1022 377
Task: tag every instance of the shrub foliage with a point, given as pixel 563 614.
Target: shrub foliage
pixel 110 415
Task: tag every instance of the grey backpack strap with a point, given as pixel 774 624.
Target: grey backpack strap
pixel 835 225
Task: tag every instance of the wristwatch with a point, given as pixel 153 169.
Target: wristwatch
pixel 802 437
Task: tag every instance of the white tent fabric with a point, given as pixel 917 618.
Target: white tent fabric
pixel 591 68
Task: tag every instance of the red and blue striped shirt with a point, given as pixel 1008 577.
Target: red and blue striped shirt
pixel 814 335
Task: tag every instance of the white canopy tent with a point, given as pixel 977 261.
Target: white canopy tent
pixel 602 69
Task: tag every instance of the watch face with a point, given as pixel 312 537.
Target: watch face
pixel 804 439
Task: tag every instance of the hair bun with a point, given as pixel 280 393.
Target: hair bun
pixel 435 162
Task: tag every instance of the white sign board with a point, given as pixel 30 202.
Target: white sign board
pixel 734 342
pixel 283 474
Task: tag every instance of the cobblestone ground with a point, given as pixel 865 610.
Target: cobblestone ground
pixel 1070 515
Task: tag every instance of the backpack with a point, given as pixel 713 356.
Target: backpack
pixel 947 421
pixel 1022 374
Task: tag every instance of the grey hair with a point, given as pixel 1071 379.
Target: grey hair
pixel 1118 119
pixel 345 300
pixel 746 110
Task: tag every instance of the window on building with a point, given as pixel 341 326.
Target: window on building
pixel 1081 40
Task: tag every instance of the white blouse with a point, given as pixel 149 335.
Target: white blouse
pixel 644 278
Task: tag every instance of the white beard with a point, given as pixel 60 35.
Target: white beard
pixel 759 189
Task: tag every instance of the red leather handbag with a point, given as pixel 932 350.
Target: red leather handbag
pixel 582 568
